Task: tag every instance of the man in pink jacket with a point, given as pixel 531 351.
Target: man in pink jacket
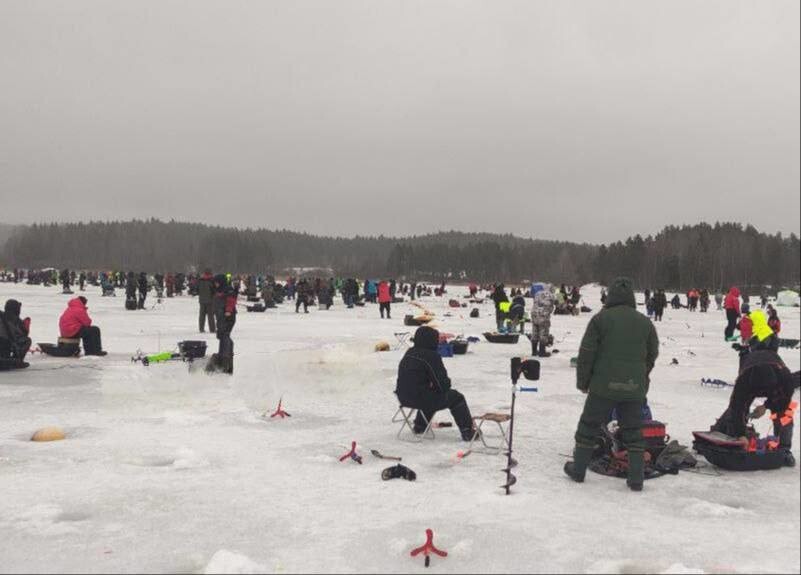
pixel 384 298
pixel 76 323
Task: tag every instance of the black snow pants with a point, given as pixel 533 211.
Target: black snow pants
pixel 206 311
pixel 225 350
pixel 429 404
pixel 731 317
pixel 90 337
pixel 595 416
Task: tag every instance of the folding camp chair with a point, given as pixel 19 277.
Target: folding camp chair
pixel 498 418
pixel 406 416
pixel 401 336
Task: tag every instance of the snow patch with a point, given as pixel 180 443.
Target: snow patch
pixel 44 520
pixel 701 508
pixel 189 459
pixel 680 568
pixel 229 563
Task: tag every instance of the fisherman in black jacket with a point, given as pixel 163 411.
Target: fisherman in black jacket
pixel 14 340
pixel 423 384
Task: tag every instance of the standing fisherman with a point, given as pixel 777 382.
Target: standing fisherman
pixel 618 351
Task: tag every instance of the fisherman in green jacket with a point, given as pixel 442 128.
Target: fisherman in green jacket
pixel 617 354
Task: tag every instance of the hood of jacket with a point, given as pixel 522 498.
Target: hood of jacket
pixel 760 329
pixel 13 308
pixel 426 338
pixel 77 303
pixel 621 292
pixel 220 283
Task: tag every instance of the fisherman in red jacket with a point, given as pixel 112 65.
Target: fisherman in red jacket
pixel 384 298
pixel 732 307
pixel 76 323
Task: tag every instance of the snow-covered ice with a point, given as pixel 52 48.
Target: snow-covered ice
pixel 164 470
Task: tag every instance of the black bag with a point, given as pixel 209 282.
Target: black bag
pixel 655 436
pixel 459 346
pixel 192 349
pixel 474 312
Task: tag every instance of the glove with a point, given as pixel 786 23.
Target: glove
pixel 758 412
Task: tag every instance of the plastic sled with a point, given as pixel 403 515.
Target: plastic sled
pixel 726 452
pixel 62 350
pixel 494 337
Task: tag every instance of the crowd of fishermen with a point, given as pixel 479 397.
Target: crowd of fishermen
pixel 617 352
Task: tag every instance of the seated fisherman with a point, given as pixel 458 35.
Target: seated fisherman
pixel 423 384
pixel 76 323
pixel 14 340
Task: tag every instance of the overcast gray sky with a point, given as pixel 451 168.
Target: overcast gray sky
pixel 584 120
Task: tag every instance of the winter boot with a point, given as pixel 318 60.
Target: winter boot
pixel 634 486
pixel 636 473
pixel 420 424
pixel 543 350
pixel 577 468
pixel 470 434
pixel 789 459
pixel 573 473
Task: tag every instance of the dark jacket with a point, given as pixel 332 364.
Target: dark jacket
pixel 12 328
pixel 762 374
pixel 498 296
pixel 205 289
pixel 130 285
pixel 619 348
pixel 660 300
pixel 224 298
pixel 518 309
pixel 421 372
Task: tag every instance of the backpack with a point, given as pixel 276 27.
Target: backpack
pixel 661 455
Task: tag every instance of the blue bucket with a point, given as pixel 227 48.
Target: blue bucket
pixel 445 350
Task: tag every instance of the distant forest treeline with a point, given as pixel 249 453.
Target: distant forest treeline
pixel 677 258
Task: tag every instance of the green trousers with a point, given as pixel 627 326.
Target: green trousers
pixel 595 416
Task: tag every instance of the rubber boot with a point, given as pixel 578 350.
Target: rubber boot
pixel 577 469
pixel 544 350
pixel 636 475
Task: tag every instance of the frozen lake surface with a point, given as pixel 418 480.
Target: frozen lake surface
pixel 164 470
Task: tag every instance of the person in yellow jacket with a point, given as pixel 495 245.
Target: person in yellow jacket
pixel 762 337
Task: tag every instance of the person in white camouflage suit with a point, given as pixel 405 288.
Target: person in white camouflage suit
pixel 543 306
